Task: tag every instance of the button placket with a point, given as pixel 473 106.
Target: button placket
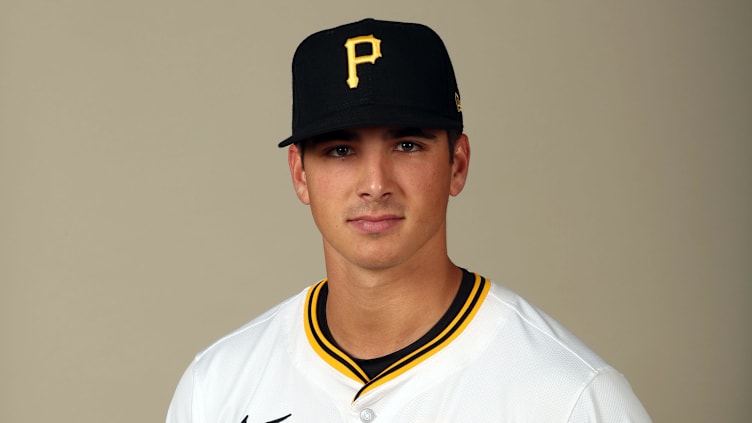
pixel 367 415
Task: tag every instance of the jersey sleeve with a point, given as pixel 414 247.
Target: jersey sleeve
pixel 608 398
pixel 182 407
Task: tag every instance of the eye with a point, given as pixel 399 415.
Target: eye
pixel 408 146
pixel 339 151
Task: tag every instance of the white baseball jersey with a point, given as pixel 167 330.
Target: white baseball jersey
pixel 496 358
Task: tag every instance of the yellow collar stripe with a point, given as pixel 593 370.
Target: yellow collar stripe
pixel 451 332
pixel 345 365
pixel 326 350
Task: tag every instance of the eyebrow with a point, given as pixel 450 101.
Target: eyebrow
pixel 345 135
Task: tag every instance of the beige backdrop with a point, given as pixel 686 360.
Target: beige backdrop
pixel 145 209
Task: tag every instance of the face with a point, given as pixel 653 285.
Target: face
pixel 379 195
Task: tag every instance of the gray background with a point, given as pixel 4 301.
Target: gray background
pixel 145 209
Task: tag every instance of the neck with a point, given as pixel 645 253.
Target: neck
pixel 374 313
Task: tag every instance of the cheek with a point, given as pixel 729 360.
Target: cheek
pixel 322 187
pixel 430 191
pixel 322 209
pixel 433 181
pixel 326 193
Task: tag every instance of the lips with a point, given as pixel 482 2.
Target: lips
pixel 375 224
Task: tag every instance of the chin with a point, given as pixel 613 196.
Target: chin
pixel 370 262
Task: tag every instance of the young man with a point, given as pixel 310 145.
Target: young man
pixel 396 332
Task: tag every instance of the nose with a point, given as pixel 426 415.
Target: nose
pixel 376 183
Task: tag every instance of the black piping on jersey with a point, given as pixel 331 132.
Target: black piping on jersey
pixel 469 298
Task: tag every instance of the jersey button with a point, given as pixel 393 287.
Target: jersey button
pixel 367 415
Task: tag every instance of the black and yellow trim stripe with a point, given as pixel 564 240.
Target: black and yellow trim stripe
pixel 347 366
pixel 325 349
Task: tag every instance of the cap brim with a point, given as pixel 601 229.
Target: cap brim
pixel 372 115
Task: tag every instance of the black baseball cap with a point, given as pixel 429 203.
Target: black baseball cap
pixel 372 73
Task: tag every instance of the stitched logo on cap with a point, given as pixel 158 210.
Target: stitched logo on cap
pixel 353 61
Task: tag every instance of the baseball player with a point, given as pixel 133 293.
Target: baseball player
pixel 396 332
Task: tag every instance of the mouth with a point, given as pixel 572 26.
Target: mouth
pixel 375 224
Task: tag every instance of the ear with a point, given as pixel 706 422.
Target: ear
pixel 460 165
pixel 298 174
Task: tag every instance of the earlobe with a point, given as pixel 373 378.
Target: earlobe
pixel 298 174
pixel 460 165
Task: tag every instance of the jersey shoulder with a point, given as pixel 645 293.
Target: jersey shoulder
pixel 526 326
pixel 264 332
pixel 533 359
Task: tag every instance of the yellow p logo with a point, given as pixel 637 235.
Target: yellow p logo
pixel 353 61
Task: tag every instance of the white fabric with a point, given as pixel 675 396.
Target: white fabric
pixel 512 363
